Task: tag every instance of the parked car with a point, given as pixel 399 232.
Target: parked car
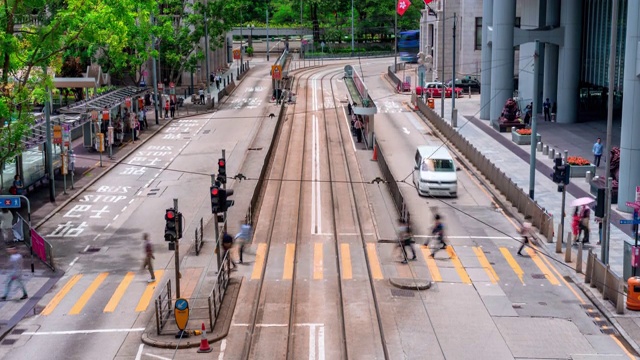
pixel 434 89
pixel 466 83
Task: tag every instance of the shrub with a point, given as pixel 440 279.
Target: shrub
pixel 524 131
pixel 578 160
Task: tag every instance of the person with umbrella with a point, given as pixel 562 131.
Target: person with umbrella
pixel 584 215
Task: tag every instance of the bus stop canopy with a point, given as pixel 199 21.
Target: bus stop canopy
pixel 75 82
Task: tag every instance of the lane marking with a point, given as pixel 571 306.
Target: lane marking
pixel 57 298
pixel 80 304
pixel 259 263
pixel 148 292
pixel 541 265
pixel 317 261
pixel 406 131
pixel 345 254
pixel 431 264
pixel 321 343
pixel 96 237
pixel 139 354
pixel 86 248
pixel 484 262
pixel 312 343
pixel 119 293
pixel 457 264
pixel 553 268
pixel 116 217
pixel 75 332
pixel 223 347
pixel 74 261
pixel 622 347
pixel 157 356
pixel 376 270
pixel 288 261
pixel 513 264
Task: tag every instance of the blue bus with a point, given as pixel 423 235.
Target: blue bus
pixel 409 45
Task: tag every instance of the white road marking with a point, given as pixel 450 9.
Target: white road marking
pixel 124 208
pixel 75 332
pixel 106 227
pixel 87 248
pixel 312 343
pixel 223 347
pixel 157 356
pixel 115 217
pixel 96 237
pixel 139 354
pixel 316 339
pixel 130 201
pixel 404 129
pixel 321 343
pixel 74 261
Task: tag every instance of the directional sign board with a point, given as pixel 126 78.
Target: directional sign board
pixel 630 222
pixel 10 203
pixel 635 205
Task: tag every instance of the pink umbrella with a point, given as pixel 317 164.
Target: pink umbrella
pixel 583 201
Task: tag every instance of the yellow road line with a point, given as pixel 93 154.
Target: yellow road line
pixel 513 263
pixel 345 254
pixel 541 265
pixel 374 263
pixel 458 265
pixel 288 262
pixel 623 347
pixel 553 268
pixel 493 276
pixel 119 293
pixel 145 299
pixel 60 295
pixel 91 168
pixel 317 261
pixel 80 304
pixel 257 266
pixel 431 264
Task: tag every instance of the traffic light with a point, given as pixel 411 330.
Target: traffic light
pixel 215 199
pixel 222 171
pixel 224 203
pixel 170 228
pixel 566 174
pixel 558 171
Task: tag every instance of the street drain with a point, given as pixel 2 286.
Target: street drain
pixel 9 341
pixel 608 331
pixel 18 331
pixel 206 132
pixel 255 149
pixel 403 293
pixel 568 278
pixel 542 303
pixel 538 276
pixel 91 250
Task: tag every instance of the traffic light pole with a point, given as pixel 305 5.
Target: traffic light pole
pixel 224 186
pixel 216 236
pixel 177 255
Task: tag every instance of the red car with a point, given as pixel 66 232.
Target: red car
pixel 434 89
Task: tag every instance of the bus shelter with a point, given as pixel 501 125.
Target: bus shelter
pixel 361 103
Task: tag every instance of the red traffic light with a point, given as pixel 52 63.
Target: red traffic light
pixel 221 162
pixel 170 215
pixel 214 191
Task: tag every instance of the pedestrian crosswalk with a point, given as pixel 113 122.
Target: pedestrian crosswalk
pixel 462 264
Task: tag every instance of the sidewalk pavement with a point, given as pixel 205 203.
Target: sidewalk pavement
pixel 514 159
pixel 88 170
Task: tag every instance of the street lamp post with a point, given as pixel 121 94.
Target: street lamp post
pixel 267 12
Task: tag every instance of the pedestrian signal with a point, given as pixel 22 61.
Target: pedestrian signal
pixel 222 171
pixel 215 199
pixel 170 228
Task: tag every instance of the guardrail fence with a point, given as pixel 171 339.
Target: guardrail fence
pixel 611 286
pixel 199 237
pixel 164 306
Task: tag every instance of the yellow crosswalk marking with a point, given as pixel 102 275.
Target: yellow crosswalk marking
pixel 288 262
pixel 317 261
pixel 148 292
pixel 458 265
pixel 513 263
pixel 57 298
pixel 257 266
pixel 345 254
pixel 541 265
pixel 431 264
pixel 80 304
pixel 374 263
pixel 119 293
pixel 484 262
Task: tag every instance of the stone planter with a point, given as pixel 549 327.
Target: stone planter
pixel 581 170
pixel 522 139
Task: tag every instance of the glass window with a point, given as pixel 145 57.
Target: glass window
pixel 478 42
pixel 438 165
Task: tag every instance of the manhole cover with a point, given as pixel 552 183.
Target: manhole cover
pixel 18 331
pixel 586 306
pixel 608 331
pixel 517 305
pixel 568 278
pixel 538 276
pixel 91 250
pixel 206 132
pixel 600 323
pixel 9 341
pixel 403 293
pixel 542 303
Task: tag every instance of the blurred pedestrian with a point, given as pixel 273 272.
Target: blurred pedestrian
pixel 218 79
pixel 172 107
pixel 585 216
pixel 148 257
pixel 349 108
pixel 15 273
pixel 18 185
pixel 575 223
pixel 227 245
pixel 243 238
pixel 438 231
pixel 599 221
pixel 201 93
pixel 166 109
pixel 6 226
pixel 358 126
pixel 597 152
pixel 546 107
pixel 525 232
pixel 405 238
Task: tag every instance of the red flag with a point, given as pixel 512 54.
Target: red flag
pixel 426 2
pixel 403 5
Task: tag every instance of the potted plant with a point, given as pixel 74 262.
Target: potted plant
pixel 580 166
pixel 250 51
pixel 522 136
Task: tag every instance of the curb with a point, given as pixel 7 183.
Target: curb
pixel 410 284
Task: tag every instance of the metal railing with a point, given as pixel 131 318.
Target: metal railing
pixel 610 285
pixel 26 237
pixel 214 300
pixel 164 307
pixel 199 237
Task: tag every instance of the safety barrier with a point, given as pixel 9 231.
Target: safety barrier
pixel 199 237
pixel 611 286
pixel 392 76
pixel 540 218
pixel 164 306
pixel 24 235
pixel 394 189
pixel 214 300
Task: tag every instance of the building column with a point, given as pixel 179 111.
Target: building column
pixel 550 84
pixel 629 175
pixel 485 66
pixel 569 61
pixel 502 62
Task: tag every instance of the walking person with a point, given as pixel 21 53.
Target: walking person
pixel 243 238
pixel 201 93
pixel 546 107
pixel 15 273
pixel 212 78
pixel 6 226
pixel 172 107
pixel 438 231
pixel 585 215
pixel 148 257
pixel 358 126
pixel 349 108
pixel 218 79
pixel 166 109
pixel 525 232
pixel 227 244
pixel 597 152
pixel 405 238
pixel 575 224
pixel 527 113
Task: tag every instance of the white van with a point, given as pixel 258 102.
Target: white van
pixel 435 172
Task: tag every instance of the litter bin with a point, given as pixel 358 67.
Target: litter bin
pixel 633 295
pixel 431 103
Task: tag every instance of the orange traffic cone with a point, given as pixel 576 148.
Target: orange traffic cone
pixel 204 343
pixel 375 153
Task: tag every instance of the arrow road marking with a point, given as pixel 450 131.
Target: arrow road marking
pixel 404 129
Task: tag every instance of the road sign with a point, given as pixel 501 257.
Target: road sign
pixel 276 72
pixel 236 54
pixel 635 205
pixel 57 134
pixel 638 194
pixel 181 312
pixel 630 222
pixel 10 203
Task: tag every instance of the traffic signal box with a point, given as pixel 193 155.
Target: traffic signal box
pixel 561 173
pixel 222 171
pixel 219 202
pixel 173 225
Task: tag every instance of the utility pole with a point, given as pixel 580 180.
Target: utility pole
pixel 49 144
pixel 606 222
pixel 454 111
pixel 268 30
pixel 177 252
pixel 155 79
pixel 564 194
pixel 442 57
pixel 534 126
pixel 352 32
pixel 206 46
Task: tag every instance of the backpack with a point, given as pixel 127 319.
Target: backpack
pixel 13 190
